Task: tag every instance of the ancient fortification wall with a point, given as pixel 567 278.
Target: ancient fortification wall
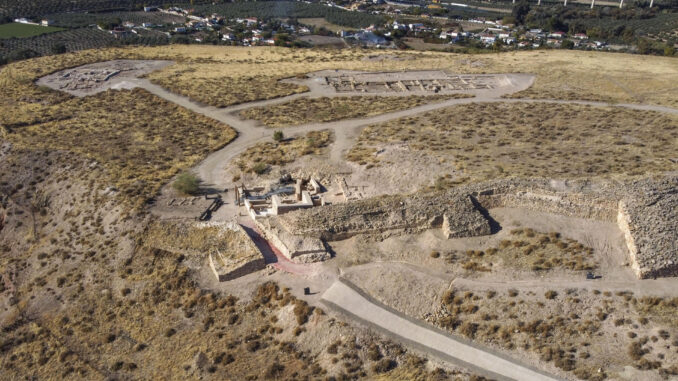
pixel 645 210
pixel 296 247
pixel 389 213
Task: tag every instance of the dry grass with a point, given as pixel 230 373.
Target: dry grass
pixel 198 239
pixel 259 157
pixel 86 299
pixel 578 331
pixel 318 110
pixel 498 140
pixel 560 74
pixel 201 71
pixel 530 250
pixel 160 326
pixel 97 299
pixel 142 140
pixel 226 92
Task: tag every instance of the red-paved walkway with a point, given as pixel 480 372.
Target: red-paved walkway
pixel 272 255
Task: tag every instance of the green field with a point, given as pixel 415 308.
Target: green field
pixel 16 30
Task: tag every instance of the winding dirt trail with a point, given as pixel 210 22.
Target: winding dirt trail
pixel 346 131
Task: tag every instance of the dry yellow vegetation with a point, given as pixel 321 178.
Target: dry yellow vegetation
pixel 221 92
pixel 530 250
pixel 85 298
pixel 573 328
pixel 197 239
pixel 561 74
pixel 141 139
pixel 203 72
pixel 534 139
pixel 326 109
pixel 259 157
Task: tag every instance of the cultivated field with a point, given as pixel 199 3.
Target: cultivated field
pixel 486 141
pixel 16 30
pixel 320 22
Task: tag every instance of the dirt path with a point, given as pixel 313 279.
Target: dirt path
pixel 351 301
pixel 665 287
pixel 213 169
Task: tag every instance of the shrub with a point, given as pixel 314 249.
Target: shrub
pixel 373 353
pixel 259 168
pixel 186 183
pixel 435 254
pixel 253 346
pixel 302 310
pixel 278 136
pixel 550 294
pixel 468 329
pixel 274 370
pixel 636 350
pixel 448 297
pixel 332 349
pixel 383 366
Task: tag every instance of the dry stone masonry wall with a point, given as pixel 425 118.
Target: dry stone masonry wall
pixel 415 213
pixel 646 211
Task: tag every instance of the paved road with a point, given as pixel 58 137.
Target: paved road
pixel 349 300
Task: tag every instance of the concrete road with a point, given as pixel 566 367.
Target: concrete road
pixel 349 300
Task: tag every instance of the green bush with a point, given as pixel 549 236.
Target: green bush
pixel 278 136
pixel 187 183
pixel 259 168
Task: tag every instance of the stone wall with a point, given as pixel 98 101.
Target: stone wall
pixel 648 216
pixel 410 214
pixel 229 271
pixel 646 211
pixel 296 247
